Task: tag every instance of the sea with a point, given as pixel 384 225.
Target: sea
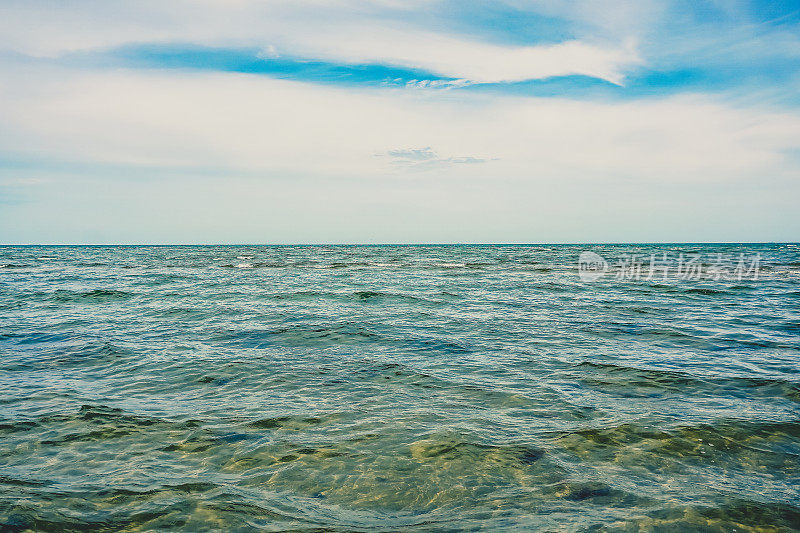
pixel 400 388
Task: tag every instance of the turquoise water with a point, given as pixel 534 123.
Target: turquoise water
pixel 445 388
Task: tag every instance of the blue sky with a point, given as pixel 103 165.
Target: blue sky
pixel 387 121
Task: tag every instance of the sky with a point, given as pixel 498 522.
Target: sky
pixel 389 121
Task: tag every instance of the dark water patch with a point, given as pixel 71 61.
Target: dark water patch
pixel 96 355
pixel 366 295
pixel 447 448
pixel 197 486
pixel 96 295
pixel 266 264
pixel 450 295
pixel 35 338
pixel 300 335
pixel 634 309
pixel 437 345
pixel 749 341
pixel 104 434
pixel 789 326
pixel 266 459
pixel 6 480
pixel 632 380
pixel 745 446
pixel 290 422
pixel 668 289
pixel 596 493
pixel 105 414
pixel 230 438
pixel 14 426
pixel 385 374
pixel 351 264
pixel 260 517
pixel 103 349
pixel 738 515
pixel 704 291
pixel 756 514
pixel 373 297
pixel 271 423
pixel 95 422
pixel 213 380
pixel 63 514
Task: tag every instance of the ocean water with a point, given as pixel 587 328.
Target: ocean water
pixel 397 388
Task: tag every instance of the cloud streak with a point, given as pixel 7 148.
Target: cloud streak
pixel 337 31
pixel 426 159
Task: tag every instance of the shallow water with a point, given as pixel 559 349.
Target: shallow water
pixel 444 388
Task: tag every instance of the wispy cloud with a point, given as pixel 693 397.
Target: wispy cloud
pixel 426 158
pixel 414 155
pixel 440 43
pixel 339 31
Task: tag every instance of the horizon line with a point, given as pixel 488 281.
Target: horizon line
pixel 595 243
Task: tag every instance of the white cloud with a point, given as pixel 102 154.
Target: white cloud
pixel 247 123
pixel 347 32
pixel 133 156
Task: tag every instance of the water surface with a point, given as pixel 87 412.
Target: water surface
pixel 395 388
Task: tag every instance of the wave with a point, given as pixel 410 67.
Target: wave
pixel 705 291
pixel 299 335
pixel 92 423
pixel 290 422
pixel 445 447
pixel 96 295
pixel 351 264
pixel 609 376
pixel 373 296
pixel 250 265
pixel 366 296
